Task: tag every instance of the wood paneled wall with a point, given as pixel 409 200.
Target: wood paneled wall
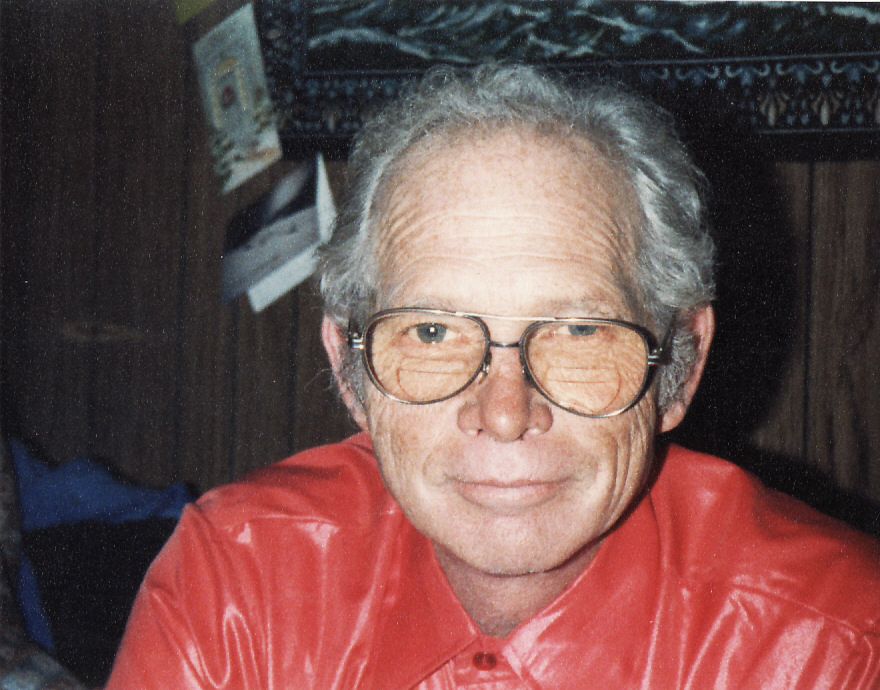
pixel 792 389
pixel 116 343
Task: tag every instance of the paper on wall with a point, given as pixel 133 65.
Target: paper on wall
pixel 272 244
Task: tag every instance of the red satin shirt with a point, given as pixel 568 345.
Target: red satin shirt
pixel 307 575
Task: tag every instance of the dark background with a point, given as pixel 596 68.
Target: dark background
pixel 116 344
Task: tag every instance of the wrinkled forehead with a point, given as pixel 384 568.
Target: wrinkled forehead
pixel 480 162
pixel 475 181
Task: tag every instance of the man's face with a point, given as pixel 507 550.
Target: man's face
pixel 512 225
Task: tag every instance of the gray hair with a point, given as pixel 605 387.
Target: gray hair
pixel 674 251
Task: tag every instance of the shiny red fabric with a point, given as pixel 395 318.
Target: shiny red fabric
pixel 307 575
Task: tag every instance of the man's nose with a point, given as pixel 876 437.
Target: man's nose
pixel 503 404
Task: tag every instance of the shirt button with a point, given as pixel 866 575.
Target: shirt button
pixel 485 661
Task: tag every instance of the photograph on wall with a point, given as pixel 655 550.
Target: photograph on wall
pixel 243 135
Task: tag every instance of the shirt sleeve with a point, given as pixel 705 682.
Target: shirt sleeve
pixel 183 632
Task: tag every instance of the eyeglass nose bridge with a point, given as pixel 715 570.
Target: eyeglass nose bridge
pixel 487 359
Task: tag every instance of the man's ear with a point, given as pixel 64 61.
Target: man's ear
pixel 702 325
pixel 335 343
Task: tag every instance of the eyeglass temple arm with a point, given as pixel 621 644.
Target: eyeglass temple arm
pixel 659 355
pixel 355 339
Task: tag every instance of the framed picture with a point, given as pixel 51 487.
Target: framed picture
pixel 777 69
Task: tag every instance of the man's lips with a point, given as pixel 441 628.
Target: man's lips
pixel 507 495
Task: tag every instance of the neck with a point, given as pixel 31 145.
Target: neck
pixel 499 603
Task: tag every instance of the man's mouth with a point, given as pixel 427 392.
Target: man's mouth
pixel 507 495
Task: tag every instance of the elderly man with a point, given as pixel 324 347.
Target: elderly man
pixel 517 304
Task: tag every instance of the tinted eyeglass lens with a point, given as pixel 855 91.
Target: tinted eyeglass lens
pixel 422 357
pixel 590 367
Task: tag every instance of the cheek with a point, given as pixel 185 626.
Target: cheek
pixel 635 449
pixel 615 456
pixel 405 438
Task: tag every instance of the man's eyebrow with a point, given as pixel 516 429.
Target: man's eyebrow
pixel 555 309
pixel 585 307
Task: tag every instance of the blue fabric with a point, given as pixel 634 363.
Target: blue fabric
pixel 36 622
pixel 81 489
pixel 78 490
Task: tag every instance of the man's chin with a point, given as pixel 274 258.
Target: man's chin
pixel 504 561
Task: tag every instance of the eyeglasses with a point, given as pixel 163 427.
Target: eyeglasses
pixel 592 367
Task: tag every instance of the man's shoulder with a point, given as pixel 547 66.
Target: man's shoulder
pixel 335 484
pixel 723 528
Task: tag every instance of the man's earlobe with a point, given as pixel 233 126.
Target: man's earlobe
pixel 702 325
pixel 336 345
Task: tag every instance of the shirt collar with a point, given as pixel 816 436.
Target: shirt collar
pixel 614 601
pixel 424 623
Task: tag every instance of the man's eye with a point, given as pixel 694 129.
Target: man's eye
pixel 581 329
pixel 431 332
